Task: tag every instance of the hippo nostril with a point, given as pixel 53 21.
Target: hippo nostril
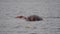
pixel 19 17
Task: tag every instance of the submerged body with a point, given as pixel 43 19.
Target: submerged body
pixel 34 18
pixel 31 18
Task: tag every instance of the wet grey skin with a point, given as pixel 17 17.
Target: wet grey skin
pixel 34 18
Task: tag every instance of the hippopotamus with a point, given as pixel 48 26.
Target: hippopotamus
pixel 31 18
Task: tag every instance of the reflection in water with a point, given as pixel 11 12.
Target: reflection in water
pixel 22 31
pixel 33 33
pixel 58 29
pixel 51 17
pixel 13 31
